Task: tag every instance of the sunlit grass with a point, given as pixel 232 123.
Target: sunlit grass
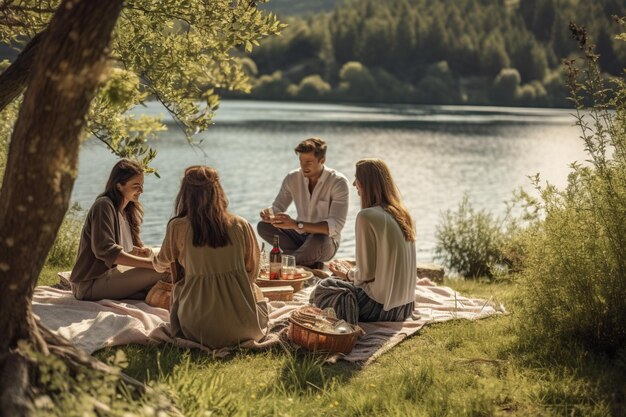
pixel 458 368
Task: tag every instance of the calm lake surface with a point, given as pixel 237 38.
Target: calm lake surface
pixel 436 154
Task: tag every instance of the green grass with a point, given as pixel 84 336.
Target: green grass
pixel 459 368
pixel 48 275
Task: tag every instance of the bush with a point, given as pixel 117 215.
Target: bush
pixel 312 87
pixel 556 89
pixel 469 242
pixel 574 284
pixel 357 83
pixel 391 88
pixel 531 94
pixel 505 86
pixel 65 247
pixel 249 66
pixel 271 86
pixel 438 86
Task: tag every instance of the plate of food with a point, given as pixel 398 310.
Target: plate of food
pixel 300 276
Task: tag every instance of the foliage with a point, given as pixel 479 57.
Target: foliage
pixel 271 86
pixel 506 84
pixel 312 87
pixel 476 38
pixel 175 52
pixel 469 241
pixel 438 86
pixel 65 247
pixel 462 368
pixel 64 390
pixel 302 7
pixel 574 282
pixel 356 81
pixel 531 93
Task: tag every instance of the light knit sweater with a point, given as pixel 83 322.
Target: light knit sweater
pixel 385 262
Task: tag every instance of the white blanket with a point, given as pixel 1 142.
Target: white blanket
pixel 95 325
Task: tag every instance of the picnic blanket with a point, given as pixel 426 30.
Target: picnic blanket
pixel 94 325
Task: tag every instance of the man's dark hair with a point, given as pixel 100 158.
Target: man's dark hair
pixel 315 145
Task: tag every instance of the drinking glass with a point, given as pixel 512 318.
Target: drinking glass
pixel 288 268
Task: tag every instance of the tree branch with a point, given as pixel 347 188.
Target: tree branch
pixel 13 79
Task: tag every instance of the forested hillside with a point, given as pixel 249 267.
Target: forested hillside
pixel 299 7
pixel 436 52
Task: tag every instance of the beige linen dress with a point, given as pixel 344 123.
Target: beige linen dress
pixel 215 303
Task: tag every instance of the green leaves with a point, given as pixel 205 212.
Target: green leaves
pixel 177 52
pixel 573 287
pixel 469 241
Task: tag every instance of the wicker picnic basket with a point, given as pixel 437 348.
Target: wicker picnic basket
pixel 303 334
pixel 160 295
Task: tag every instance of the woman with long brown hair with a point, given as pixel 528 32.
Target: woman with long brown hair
pixel 381 287
pixel 214 304
pixel 112 262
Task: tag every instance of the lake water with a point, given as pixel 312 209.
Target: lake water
pixel 436 154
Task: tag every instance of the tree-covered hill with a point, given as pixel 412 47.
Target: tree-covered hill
pixel 436 52
pixel 299 7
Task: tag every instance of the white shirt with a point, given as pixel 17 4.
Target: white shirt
pixel 126 235
pixel 328 202
pixel 385 262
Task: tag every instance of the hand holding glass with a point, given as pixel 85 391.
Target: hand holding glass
pixel 288 269
pixel 270 213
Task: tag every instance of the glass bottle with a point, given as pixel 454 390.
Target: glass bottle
pixel 276 255
pixel 263 263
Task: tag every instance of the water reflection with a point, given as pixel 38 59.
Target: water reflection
pixel 435 153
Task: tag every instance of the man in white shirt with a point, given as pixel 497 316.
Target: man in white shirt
pixel 320 195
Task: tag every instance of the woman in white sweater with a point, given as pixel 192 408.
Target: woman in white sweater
pixel 381 287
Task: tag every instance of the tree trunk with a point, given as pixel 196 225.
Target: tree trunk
pixel 43 155
pixel 13 79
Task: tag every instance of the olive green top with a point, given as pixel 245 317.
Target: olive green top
pixel 215 302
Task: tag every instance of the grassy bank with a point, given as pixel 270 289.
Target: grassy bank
pixel 458 368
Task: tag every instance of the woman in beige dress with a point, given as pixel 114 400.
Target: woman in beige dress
pixel 214 304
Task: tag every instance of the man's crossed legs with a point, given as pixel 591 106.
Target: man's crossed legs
pixel 309 249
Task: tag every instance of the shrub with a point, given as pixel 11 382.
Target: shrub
pixel 312 87
pixel 249 66
pixel 357 83
pixel 65 247
pixel 505 86
pixel 438 86
pixel 469 241
pixel 574 284
pixel 531 94
pixel 271 86
pixel 556 89
pixel 391 88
